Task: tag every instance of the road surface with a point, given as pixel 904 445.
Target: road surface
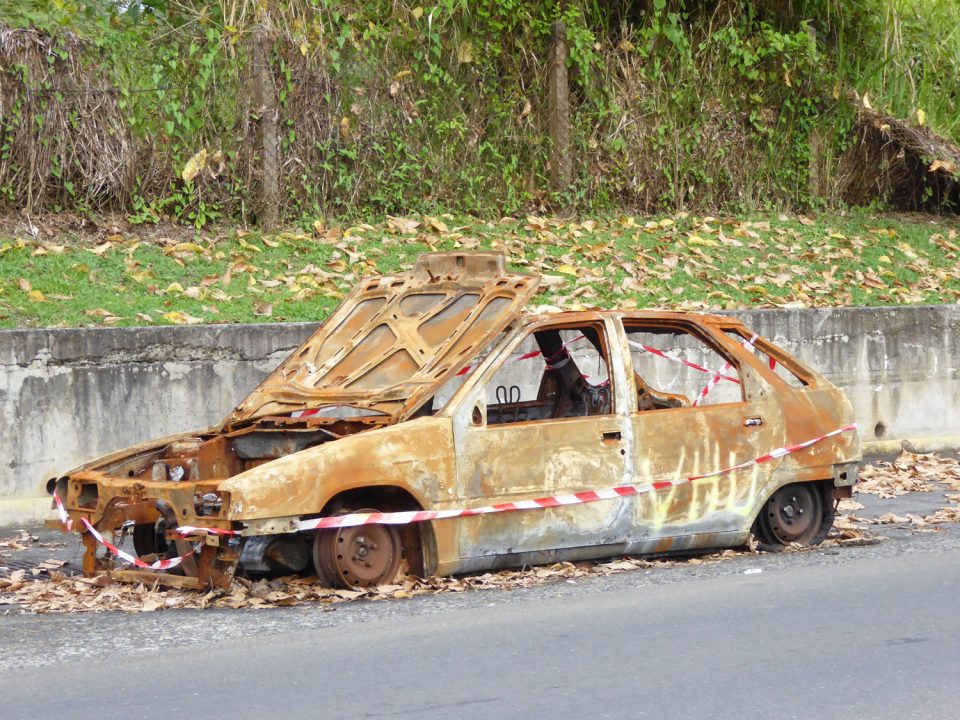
pixel 866 632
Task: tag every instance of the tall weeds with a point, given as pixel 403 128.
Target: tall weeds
pixel 388 106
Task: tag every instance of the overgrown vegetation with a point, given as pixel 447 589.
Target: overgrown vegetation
pixel 401 106
pixel 170 275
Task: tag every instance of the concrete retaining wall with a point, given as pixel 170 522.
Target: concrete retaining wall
pixel 67 396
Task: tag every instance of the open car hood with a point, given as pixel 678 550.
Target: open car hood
pixel 396 338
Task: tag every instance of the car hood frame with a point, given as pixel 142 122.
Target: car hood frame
pixel 396 339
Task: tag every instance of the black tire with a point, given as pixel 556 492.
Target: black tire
pixel 148 540
pixel 799 513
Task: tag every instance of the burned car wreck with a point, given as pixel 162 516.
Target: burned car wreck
pixel 431 412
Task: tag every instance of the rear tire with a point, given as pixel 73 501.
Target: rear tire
pixel 799 513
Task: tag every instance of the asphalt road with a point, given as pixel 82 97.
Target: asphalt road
pixel 870 632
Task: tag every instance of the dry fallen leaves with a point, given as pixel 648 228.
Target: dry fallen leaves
pixel 910 472
pixel 60 593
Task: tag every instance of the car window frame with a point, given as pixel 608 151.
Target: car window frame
pixel 809 377
pixel 702 333
pixel 472 394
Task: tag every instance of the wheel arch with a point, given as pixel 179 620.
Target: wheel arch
pixel 419 540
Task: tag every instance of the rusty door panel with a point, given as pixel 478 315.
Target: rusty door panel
pixel 505 463
pixel 687 442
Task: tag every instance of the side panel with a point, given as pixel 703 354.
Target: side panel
pixel 416 456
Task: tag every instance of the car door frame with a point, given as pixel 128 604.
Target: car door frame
pixel 567 532
pixel 672 444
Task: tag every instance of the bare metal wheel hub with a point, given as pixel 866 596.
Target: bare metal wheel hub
pixel 357 556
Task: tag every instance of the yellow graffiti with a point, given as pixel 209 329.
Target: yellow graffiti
pixel 734 493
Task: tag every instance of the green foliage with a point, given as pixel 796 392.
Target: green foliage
pixel 389 107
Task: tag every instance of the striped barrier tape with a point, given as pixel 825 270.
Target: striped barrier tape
pixel 64 518
pixel 532 354
pixel 715 380
pixel 466 369
pixel 414 516
pixel 123 555
pixel 681 361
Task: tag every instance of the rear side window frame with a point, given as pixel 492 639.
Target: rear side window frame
pixel 704 335
pixel 804 376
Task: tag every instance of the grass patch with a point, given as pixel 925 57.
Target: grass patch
pixel 134 276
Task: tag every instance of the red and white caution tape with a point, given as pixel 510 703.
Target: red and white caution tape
pixel 133 559
pixel 414 516
pixel 714 381
pixel 470 368
pixel 680 360
pixel 64 518
pixel 122 554
pixel 533 354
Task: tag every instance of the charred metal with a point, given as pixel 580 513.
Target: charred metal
pixel 433 390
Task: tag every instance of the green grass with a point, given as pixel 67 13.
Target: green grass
pixel 138 277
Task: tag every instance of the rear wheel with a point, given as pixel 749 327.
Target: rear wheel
pixel 800 513
pixel 355 557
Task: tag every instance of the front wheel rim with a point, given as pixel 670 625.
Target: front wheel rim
pixel 360 556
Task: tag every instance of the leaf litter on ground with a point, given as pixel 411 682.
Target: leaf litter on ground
pixel 46 589
pixel 910 472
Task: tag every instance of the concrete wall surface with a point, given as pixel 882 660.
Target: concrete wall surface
pixel 70 395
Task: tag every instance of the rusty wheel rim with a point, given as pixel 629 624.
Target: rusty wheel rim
pixel 794 514
pixel 358 556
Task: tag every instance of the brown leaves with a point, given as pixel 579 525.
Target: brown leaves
pixel 911 472
pixel 403 226
pixel 60 593
pixel 106 317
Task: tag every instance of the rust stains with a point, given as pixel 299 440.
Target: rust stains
pixel 432 390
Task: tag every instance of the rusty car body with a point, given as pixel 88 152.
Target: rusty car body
pixel 433 389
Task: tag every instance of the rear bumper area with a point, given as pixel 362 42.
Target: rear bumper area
pixel 845 474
